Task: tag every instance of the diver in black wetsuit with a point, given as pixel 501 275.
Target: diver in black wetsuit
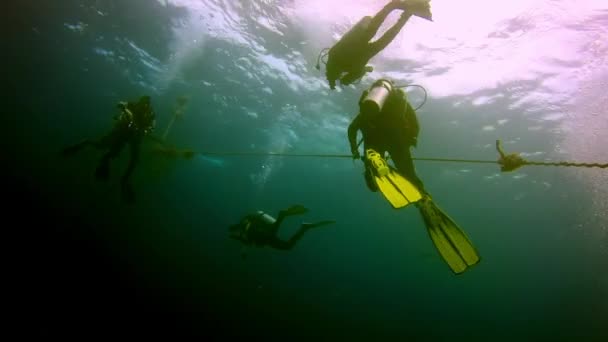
pixel 347 59
pixel 135 121
pixel 391 127
pixel 261 229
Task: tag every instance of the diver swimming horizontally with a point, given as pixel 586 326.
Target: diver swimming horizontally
pixel 135 121
pixel 348 58
pixel 389 124
pixel 260 229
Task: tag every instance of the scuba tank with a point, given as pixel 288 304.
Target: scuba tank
pixel 265 217
pixel 373 100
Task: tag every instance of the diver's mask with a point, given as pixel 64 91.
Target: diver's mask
pixel 373 100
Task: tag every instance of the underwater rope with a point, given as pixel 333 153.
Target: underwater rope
pixel 275 154
pixel 508 162
pixel 312 155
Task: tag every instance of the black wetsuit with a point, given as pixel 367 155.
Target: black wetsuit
pixel 126 130
pixel 354 50
pixel 395 130
pixel 261 232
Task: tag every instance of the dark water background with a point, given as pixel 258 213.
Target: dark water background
pixel 87 265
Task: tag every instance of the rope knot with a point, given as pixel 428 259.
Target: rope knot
pixel 509 162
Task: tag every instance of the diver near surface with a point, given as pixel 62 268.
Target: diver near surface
pixel 135 121
pixel 261 229
pixel 389 124
pixel 353 51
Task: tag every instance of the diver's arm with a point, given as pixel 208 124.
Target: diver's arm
pixel 412 122
pixel 332 83
pixel 353 128
pixel 331 73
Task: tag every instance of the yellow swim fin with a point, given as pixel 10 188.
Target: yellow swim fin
pixel 394 187
pixel 451 241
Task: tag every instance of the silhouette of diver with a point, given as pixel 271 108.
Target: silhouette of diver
pixel 390 125
pixel 261 229
pixel 136 120
pixel 353 51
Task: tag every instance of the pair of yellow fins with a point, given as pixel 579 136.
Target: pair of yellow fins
pixel 451 241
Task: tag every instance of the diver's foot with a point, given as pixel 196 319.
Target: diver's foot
pixel 128 195
pixel 419 8
pixel 317 224
pixel 102 172
pixel 296 210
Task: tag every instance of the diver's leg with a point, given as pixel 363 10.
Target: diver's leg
pixel 405 165
pixel 127 189
pixel 382 42
pixel 103 168
pixel 287 245
pixel 379 18
pixel 73 149
pixel 135 145
pixel 318 224
pixel 293 210
pixel 277 224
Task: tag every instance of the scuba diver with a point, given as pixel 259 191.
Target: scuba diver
pixel 135 120
pixel 389 124
pixel 261 229
pixel 352 52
